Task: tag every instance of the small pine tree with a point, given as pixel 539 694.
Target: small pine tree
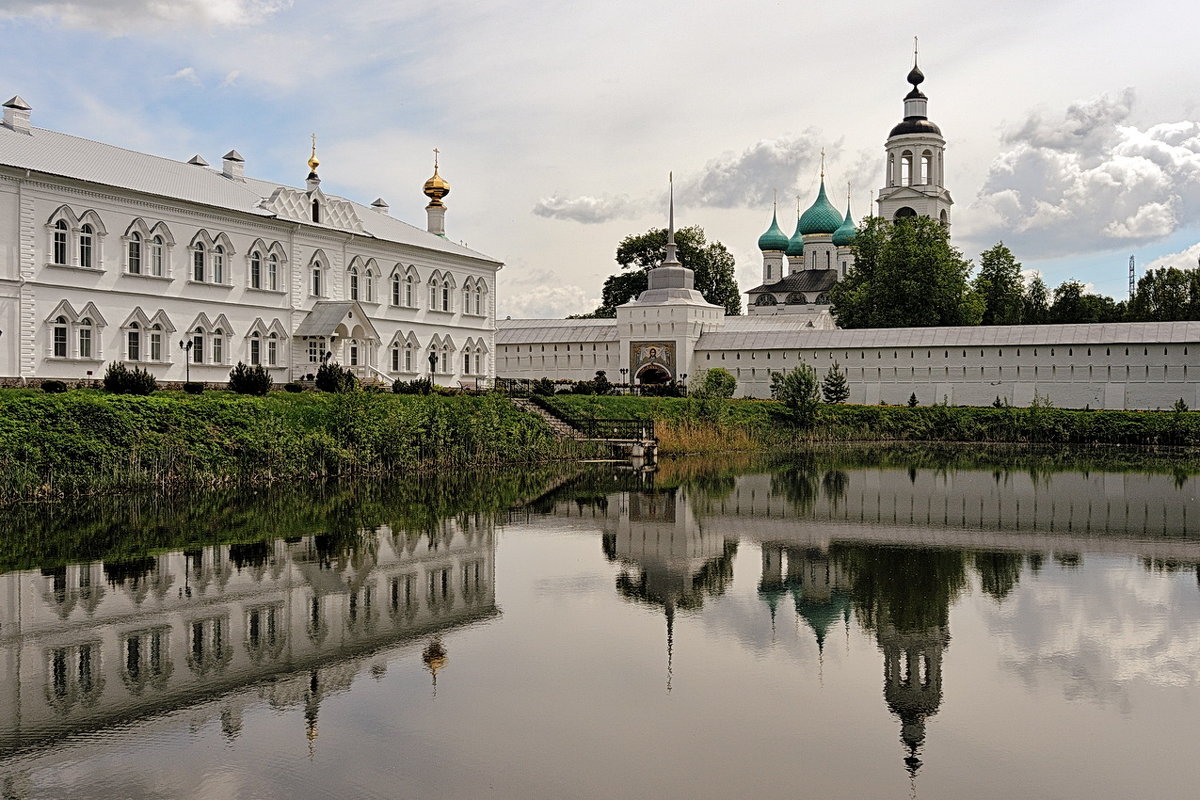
pixel 912 400
pixel 333 377
pixel 799 391
pixel 118 379
pixel 254 380
pixel 834 387
pixel 601 383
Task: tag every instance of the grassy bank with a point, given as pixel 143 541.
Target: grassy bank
pixel 689 425
pixel 85 441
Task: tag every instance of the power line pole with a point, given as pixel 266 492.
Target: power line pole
pixel 1131 277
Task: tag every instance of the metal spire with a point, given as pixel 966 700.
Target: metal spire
pixel 672 259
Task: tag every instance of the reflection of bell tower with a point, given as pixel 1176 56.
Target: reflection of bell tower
pixel 912 681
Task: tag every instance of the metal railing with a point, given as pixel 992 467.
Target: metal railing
pixel 605 428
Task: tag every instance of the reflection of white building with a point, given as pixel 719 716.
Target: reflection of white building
pixel 88 644
pixel 185 269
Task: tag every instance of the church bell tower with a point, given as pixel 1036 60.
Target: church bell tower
pixel 914 182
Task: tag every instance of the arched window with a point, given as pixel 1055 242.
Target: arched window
pixel 434 286
pixel 316 280
pixel 218 346
pixel 255 349
pixel 369 286
pixel 479 307
pixel 256 270
pixel 797 299
pixel 906 168
pixel 60 242
pixel 316 210
pixel 944 218
pixel 273 272
pixel 272 349
pixel 395 289
pixel 156 256
pixel 926 167
pixel 823 299
pixel 395 358
pixel 828 260
pixel 198 346
pixel 765 300
pixel 466 362
pixel 198 259
pixel 85 337
pixel 60 338
pixel 891 170
pixel 156 342
pixel 468 296
pixel 87 241
pixel 353 283
pixel 218 264
pixel 133 340
pixel 135 253
pixel 409 281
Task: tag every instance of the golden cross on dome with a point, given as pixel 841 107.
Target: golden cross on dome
pixel 435 158
pixel 313 161
pixel 822 163
pixel 914 51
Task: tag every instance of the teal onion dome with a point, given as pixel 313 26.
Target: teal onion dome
pixel 821 216
pixel 844 235
pixel 796 243
pixel 774 238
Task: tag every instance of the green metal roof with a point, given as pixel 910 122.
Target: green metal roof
pixel 845 234
pixel 821 216
pixel 796 243
pixel 774 238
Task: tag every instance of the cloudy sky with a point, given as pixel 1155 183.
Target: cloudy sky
pixel 1073 127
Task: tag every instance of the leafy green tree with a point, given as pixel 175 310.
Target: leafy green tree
pixel 1166 295
pixel 1073 305
pixel 1036 304
pixel 834 386
pixel 798 391
pixel 637 254
pixel 716 382
pixel 1000 287
pixel 906 273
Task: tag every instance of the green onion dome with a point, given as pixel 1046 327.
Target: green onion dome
pixel 796 243
pixel 774 238
pixel 844 235
pixel 821 216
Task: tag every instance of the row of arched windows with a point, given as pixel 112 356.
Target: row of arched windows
pixel 406 354
pixel 75 241
pixel 77 336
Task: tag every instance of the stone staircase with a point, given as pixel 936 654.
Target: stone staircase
pixel 561 429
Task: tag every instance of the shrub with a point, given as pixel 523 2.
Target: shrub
pixel 415 386
pixel 54 387
pixel 798 391
pixel 543 387
pixel 912 400
pixel 293 387
pixel 671 389
pixel 333 377
pixel 245 379
pixel 194 387
pixel 1179 406
pixel 584 387
pixel 717 382
pixel 835 388
pixel 118 379
pixel 601 383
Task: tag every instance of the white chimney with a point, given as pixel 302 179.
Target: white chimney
pixel 16 114
pixel 233 166
pixel 380 205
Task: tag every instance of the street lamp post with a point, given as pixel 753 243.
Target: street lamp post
pixel 624 372
pixel 187 359
pixel 433 360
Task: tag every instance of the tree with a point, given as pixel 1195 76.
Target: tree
pixel 906 273
pixel 1166 295
pixel 717 382
pixel 1000 287
pixel 1036 305
pixel 798 391
pixel 637 254
pixel 1072 304
pixel 834 387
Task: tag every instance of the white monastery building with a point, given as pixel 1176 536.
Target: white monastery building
pixel 185 269
pixel 670 332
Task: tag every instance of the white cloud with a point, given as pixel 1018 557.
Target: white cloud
pixel 1188 258
pixel 187 74
pixel 1089 182
pixel 536 294
pixel 118 16
pixel 229 79
pixel 588 209
pixel 749 178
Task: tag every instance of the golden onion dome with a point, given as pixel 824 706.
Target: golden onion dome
pixel 436 187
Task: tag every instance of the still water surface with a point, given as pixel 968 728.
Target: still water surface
pixel 827 627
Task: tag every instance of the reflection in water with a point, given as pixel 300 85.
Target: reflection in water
pixel 139 636
pixel 893 548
